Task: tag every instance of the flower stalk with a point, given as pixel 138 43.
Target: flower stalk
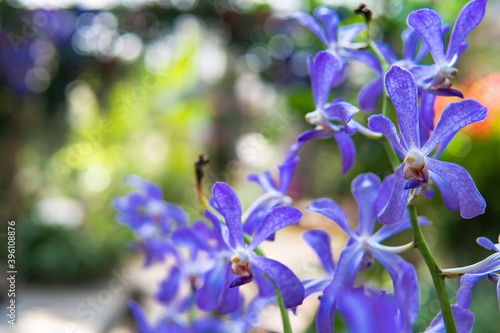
pixel 437 277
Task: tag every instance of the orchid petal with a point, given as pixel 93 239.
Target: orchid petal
pixel 406 286
pixel 320 242
pixel 330 20
pixel 365 189
pixel 341 110
pixel 322 70
pixel 403 92
pixel 449 197
pixel 349 33
pixel 347 150
pixel 427 109
pixel 395 209
pixel 142 323
pixel 486 243
pixel 289 285
pixel 410 41
pixel 169 287
pixel 314 134
pixel 277 219
pixel 455 116
pixel 228 298
pixel 386 52
pixel 310 22
pixel 368 59
pixel 326 315
pixel 469 18
pixel 286 174
pixel 388 230
pixel 330 209
pixel 370 93
pixel 229 206
pixel 382 124
pixel 427 22
pixel 384 193
pixel 464 320
pixel 264 180
pixel 471 201
pixel 208 295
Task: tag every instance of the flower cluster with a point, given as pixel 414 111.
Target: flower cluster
pixel 217 255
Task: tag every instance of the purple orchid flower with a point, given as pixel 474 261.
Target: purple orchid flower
pixel 418 169
pixel 364 245
pixel 428 23
pixel 340 43
pixel 244 264
pixel 323 70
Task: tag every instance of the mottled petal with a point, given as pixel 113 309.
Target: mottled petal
pixel 320 241
pixel 349 33
pixel 464 319
pixel 427 22
pixel 449 197
pixel 310 22
pixel 471 201
pixel 370 93
pixel 289 285
pixel 322 69
pixel 230 207
pixel 455 116
pixel 382 124
pixel 228 298
pixel 395 209
pixel 330 20
pixel 277 219
pixel 347 150
pixel 365 189
pixel 469 18
pixel 330 209
pixel 403 92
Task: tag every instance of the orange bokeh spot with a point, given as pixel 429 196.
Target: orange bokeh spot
pixel 486 92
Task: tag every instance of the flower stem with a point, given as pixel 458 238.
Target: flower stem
pixel 287 327
pixel 437 278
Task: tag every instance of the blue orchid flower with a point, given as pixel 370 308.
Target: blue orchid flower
pixel 362 247
pixel 151 218
pixel 340 43
pixel 418 169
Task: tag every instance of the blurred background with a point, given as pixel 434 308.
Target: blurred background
pixel 91 91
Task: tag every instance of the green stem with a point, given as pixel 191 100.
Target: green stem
pixel 287 327
pixel 437 278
